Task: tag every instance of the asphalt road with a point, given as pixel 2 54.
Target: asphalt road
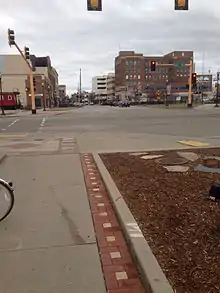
pixel 48 244
pixel 95 120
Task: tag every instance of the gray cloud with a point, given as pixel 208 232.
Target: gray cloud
pixel 75 38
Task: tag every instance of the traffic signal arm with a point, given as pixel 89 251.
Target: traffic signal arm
pixel 23 56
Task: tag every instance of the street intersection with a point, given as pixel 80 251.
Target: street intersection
pixel 48 243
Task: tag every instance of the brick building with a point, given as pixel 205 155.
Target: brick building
pixel 133 74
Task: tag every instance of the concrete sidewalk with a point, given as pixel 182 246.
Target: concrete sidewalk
pixel 48 244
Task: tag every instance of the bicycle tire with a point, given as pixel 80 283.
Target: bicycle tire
pixel 12 198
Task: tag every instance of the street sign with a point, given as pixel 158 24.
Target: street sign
pixel 179 64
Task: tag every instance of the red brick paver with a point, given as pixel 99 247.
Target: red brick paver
pixel 119 269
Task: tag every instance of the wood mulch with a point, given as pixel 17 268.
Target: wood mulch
pixel 181 226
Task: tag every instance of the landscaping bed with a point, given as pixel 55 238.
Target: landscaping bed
pixel 180 224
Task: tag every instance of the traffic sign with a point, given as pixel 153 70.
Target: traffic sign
pixel 179 64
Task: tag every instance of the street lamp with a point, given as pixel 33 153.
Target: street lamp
pixel 2 98
pixel 44 102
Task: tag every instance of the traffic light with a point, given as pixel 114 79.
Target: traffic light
pixel 153 65
pixel 27 53
pixel 194 78
pixel 181 4
pixel 34 80
pixel 11 37
pixel 94 5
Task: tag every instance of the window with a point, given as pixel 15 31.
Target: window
pixel 135 76
pixel 126 76
pixel 149 76
pixel 130 62
pixel 135 62
pixel 139 77
pixel 130 83
pixel 131 76
pixel 9 98
pixel 126 62
pixel 183 54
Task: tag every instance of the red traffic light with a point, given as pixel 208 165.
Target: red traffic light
pixel 194 78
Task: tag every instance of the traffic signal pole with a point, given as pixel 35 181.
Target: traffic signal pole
pixel 189 105
pixel 31 76
pixel 11 42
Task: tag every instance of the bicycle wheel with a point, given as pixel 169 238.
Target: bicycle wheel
pixel 6 199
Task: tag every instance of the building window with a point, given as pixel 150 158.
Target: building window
pixel 139 77
pixel 149 76
pixel 9 98
pixel 130 62
pixel 135 62
pixel 126 62
pixel 130 83
pixel 135 76
pixel 131 76
pixel 126 76
pixel 183 54
pixel 173 54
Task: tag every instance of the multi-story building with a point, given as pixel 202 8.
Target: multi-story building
pixel 99 86
pixel 15 78
pixel 62 91
pixel 110 85
pixel 133 73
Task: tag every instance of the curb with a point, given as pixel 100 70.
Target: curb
pixel 2 158
pixel 151 273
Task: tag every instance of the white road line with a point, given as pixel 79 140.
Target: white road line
pixel 15 121
pixel 10 125
pixel 42 123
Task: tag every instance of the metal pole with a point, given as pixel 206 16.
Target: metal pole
pixel 190 85
pixel 2 98
pixel 80 84
pixel 44 101
pixel 217 90
pixel 33 106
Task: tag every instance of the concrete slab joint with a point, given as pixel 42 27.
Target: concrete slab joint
pixel 152 275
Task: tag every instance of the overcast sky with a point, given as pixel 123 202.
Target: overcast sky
pixel 74 37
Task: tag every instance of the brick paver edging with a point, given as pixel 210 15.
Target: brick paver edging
pixel 119 270
pixel 151 273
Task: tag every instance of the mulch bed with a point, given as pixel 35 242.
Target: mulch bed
pixel 181 226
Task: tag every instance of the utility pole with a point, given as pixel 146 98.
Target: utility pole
pixel 217 90
pixel 80 84
pixel 25 56
pixel 189 105
pixel 2 98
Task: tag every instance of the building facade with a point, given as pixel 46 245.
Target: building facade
pixel 111 85
pixel 133 74
pixel 15 77
pixel 62 91
pixel 99 86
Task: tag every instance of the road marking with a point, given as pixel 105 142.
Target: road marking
pixel 10 125
pixel 3 135
pixel 193 143
pixel 42 123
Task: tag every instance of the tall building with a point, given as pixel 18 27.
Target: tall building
pixel 133 73
pixel 110 85
pixel 99 86
pixel 104 86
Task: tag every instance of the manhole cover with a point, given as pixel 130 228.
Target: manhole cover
pixel 172 161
